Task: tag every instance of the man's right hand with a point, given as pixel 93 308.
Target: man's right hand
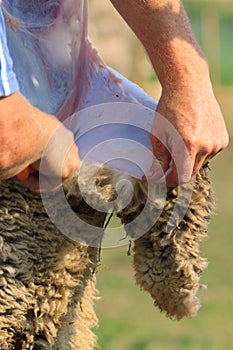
pixel 25 133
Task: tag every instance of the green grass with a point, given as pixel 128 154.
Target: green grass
pixel 128 319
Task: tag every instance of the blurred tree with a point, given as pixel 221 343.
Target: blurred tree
pixel 212 23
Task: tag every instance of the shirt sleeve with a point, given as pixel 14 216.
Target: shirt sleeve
pixel 8 80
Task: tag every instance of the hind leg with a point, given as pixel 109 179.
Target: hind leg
pixel 84 338
pixel 76 327
pixel 43 273
pixel 168 265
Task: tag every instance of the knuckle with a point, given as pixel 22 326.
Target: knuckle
pixel 191 143
pixel 193 147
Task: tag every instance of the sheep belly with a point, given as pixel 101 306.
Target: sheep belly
pixel 60 72
pixel 57 68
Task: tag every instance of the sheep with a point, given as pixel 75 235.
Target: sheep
pixel 48 279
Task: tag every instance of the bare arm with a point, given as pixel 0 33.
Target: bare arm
pixel 25 132
pixel 164 30
pixel 187 99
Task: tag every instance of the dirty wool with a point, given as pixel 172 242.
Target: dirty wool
pixel 47 279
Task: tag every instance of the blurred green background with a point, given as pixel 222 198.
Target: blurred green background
pixel 128 319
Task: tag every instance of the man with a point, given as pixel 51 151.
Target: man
pixel 187 101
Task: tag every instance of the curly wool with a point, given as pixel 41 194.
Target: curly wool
pixel 168 263
pixel 167 259
pixel 47 279
pixel 44 276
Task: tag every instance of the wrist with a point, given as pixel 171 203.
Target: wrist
pixel 187 80
pixel 183 65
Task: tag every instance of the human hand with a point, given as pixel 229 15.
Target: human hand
pixel 25 133
pixel 191 117
pixel 59 161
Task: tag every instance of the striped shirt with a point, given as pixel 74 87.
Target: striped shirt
pixel 8 80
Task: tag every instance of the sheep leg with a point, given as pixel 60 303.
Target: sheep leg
pixel 43 274
pixel 168 265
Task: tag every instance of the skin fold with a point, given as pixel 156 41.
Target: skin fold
pixel 51 267
pixel 60 73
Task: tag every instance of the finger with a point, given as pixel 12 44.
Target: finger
pixel 40 183
pixel 161 161
pixel 201 160
pixel 23 175
pixel 30 181
pixel 172 178
pixel 182 169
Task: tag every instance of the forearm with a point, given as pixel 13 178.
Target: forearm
pixel 164 30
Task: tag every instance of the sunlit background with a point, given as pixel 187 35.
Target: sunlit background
pixel 128 319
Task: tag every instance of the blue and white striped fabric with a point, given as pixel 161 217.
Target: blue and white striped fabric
pixel 8 80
